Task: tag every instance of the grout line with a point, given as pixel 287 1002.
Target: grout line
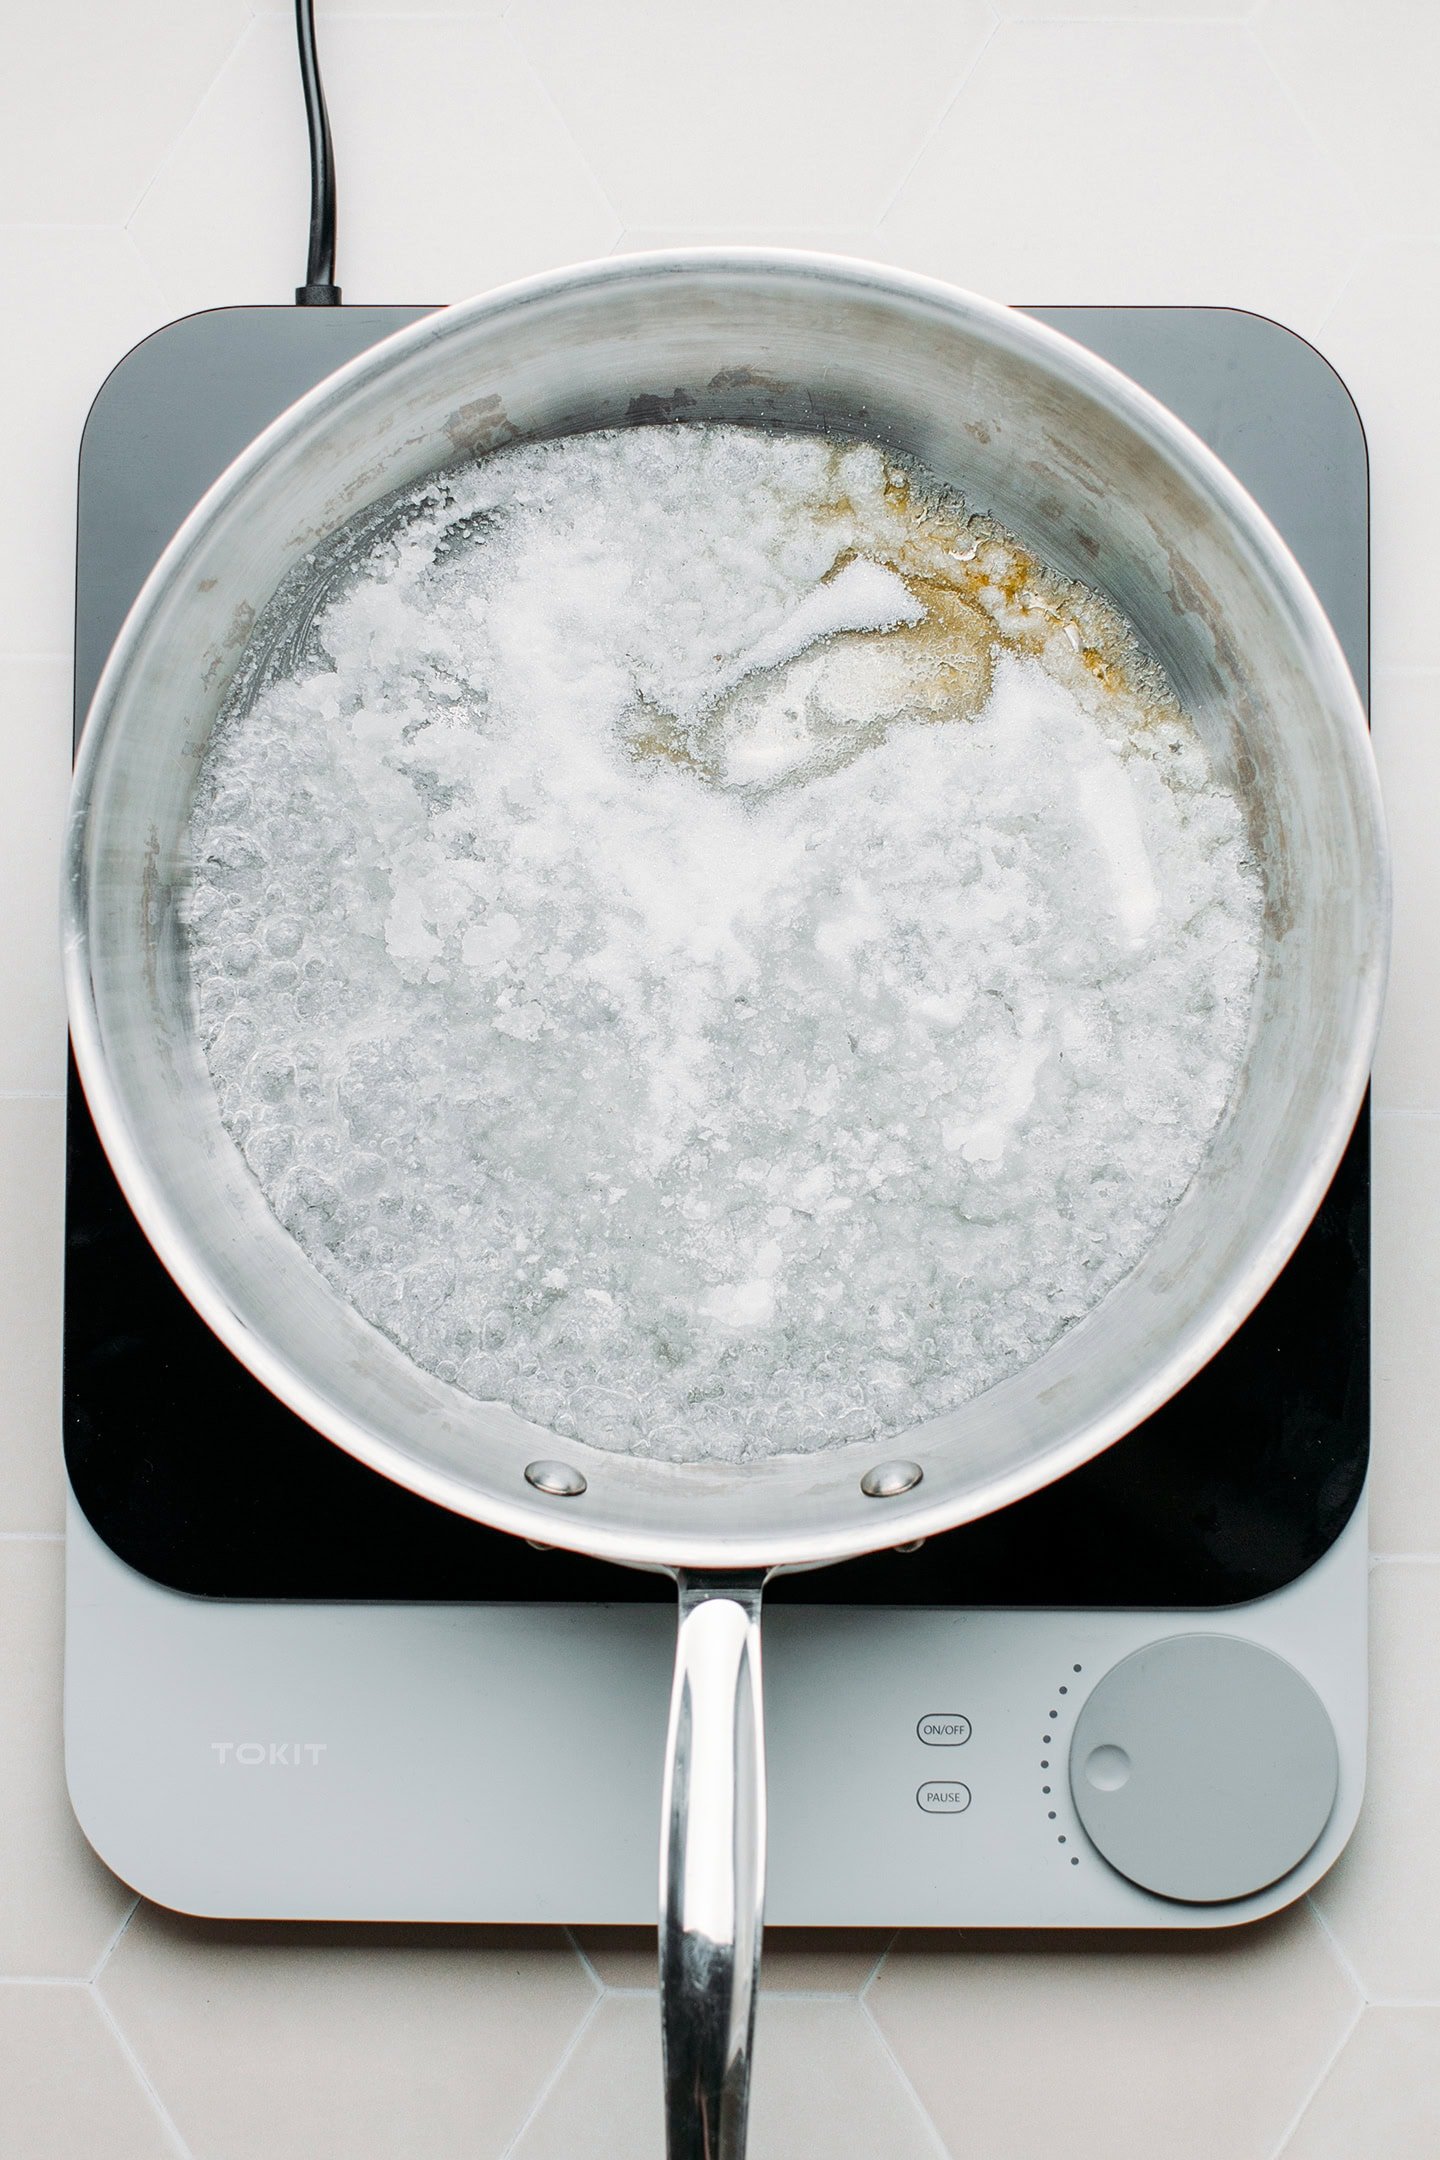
pixel 381 11
pixel 167 2122
pixel 154 286
pixel 32 1537
pixel 1318 137
pixel 1368 247
pixel 53 225
pixel 168 155
pixel 788 1994
pixel 105 1955
pixel 32 1095
pixel 549 2084
pixel 40 1980
pixel 1404 1559
pixel 1336 1949
pixel 752 235
pixel 933 130
pixel 765 1994
pixel 512 38
pixel 584 1956
pixel 1303 2110
pixel 902 2077
pixel 1403 2002
pixel 1223 18
pixel 874 1973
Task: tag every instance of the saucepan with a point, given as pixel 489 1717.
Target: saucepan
pixel 1106 486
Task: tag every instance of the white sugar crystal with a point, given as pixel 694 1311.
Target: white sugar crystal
pixel 861 596
pixel 717 948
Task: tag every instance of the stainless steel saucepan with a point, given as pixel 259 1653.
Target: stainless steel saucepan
pixel 1107 486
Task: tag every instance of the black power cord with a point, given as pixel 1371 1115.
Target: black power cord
pixel 319 289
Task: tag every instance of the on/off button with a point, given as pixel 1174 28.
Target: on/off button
pixel 944 1728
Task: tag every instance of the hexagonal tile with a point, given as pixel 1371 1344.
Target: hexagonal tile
pixel 1383 1893
pixel 380 7
pixel 1381 334
pixel 367 2043
pixel 1405 1471
pixel 1109 162
pixel 808 112
pixel 454 171
pixel 32 1177
pixel 818 240
pixel 1382 2098
pixel 224 221
pixel 1365 79
pixel 58 1906
pixel 806 1961
pixel 35 699
pixel 1062 10
pixel 72 302
pixel 823 2085
pixel 1186 2045
pixel 68 2089
pixel 94 96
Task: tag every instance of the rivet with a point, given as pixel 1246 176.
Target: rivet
pixel 560 1479
pixel 914 1545
pixel 889 1479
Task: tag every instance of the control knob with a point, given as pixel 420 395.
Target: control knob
pixel 1203 1767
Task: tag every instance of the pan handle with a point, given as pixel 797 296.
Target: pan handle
pixel 712 1866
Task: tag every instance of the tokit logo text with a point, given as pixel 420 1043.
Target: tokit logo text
pixel 273 1754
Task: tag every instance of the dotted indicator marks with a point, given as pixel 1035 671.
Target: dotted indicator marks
pixel 1048 1740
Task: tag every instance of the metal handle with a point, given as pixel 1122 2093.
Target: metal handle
pixel 712 1866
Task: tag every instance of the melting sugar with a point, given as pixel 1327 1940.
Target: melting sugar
pixel 713 945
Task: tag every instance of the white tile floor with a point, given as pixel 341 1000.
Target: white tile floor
pixel 1281 156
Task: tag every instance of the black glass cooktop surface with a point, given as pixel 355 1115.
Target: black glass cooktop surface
pixel 196 1476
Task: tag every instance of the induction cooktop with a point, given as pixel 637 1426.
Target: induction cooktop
pixel 293 1688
